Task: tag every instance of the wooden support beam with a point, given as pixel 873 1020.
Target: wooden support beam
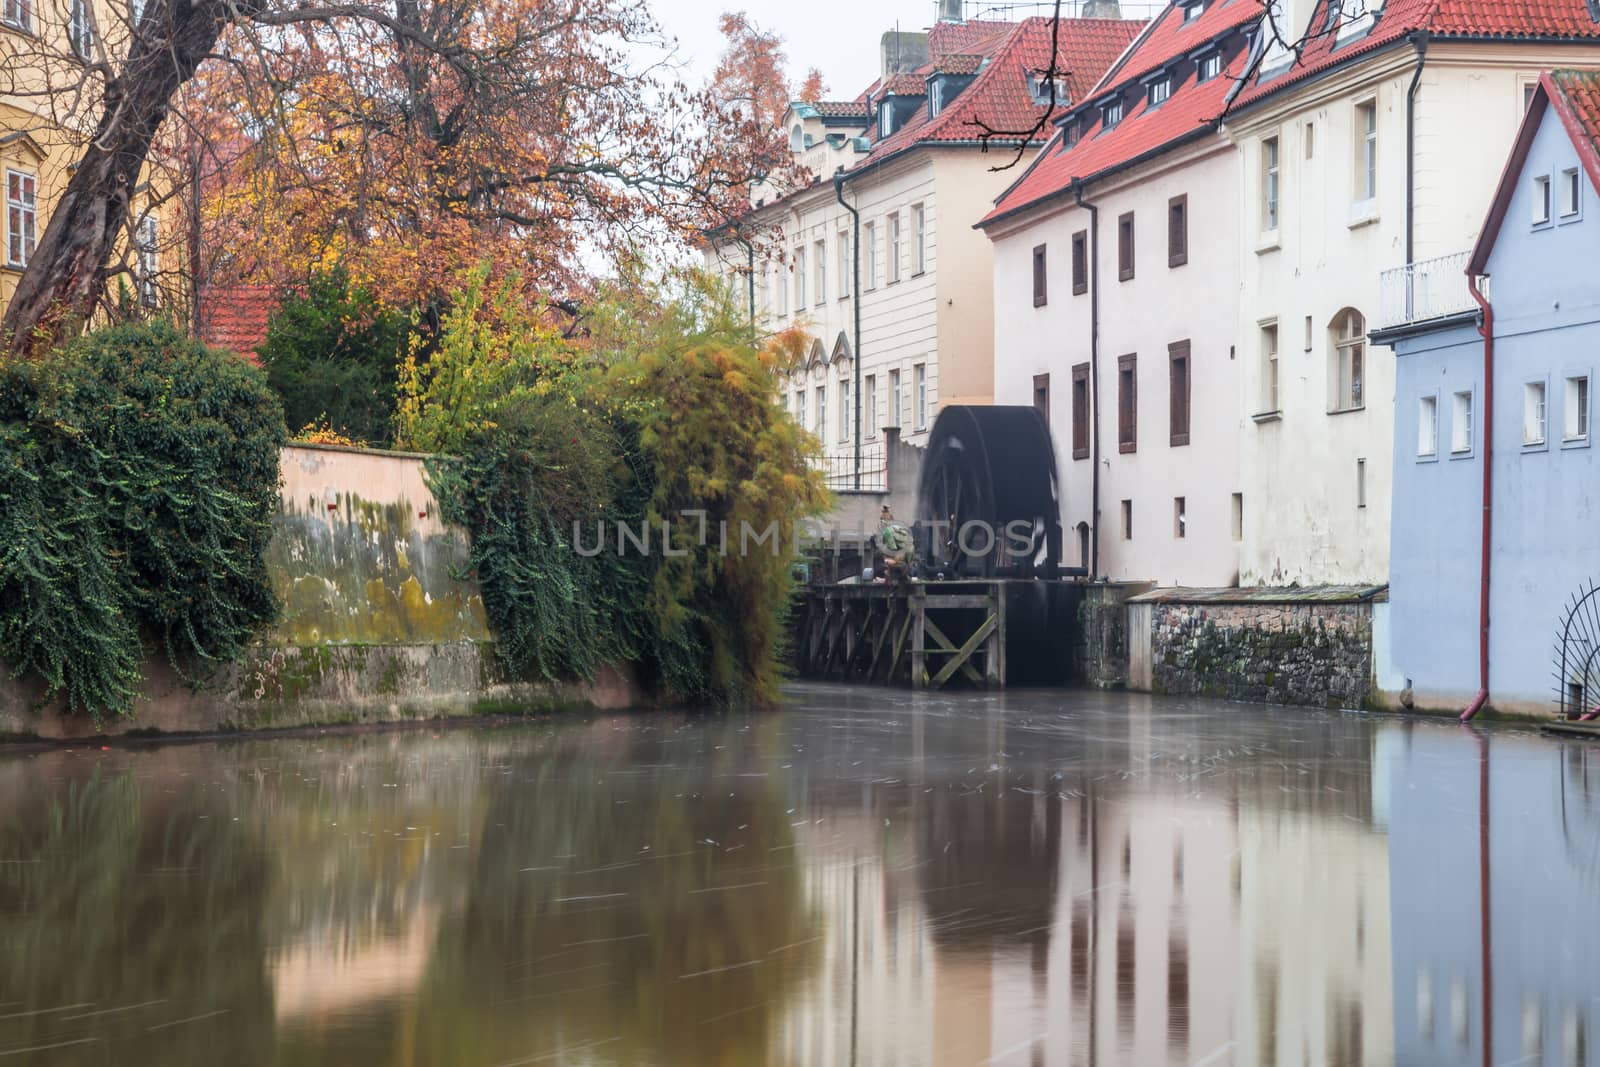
pixel 995 661
pixel 948 646
pixel 964 653
pixel 919 639
pixel 900 645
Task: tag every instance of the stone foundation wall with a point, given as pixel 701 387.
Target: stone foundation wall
pixel 1313 653
pixel 1100 635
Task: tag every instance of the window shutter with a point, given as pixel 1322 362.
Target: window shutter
pixel 1127 403
pixel 1080 411
pixel 1125 247
pixel 1178 361
pixel 1178 231
pixel 1080 263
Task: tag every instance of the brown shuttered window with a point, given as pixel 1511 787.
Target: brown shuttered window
pixel 1041 396
pixel 1080 263
pixel 1041 287
pixel 1127 404
pixel 1178 231
pixel 1125 247
pixel 1178 365
pixel 1080 411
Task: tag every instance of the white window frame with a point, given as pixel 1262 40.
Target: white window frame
pixel 1367 151
pixel 919 240
pixel 821 267
pixel 896 410
pixel 1462 422
pixel 1428 426
pixel 80 30
pixel 1571 191
pixel 919 378
pixel 844 410
pixel 846 266
pixel 147 251
pixel 1158 91
pixel 821 428
pixel 1349 335
pixel 1111 114
pixel 1575 401
pixel 1356 17
pixel 1535 414
pixel 869 252
pixel 1271 346
pixel 22 213
pixel 18 14
pixel 1271 186
pixel 1210 66
pixel 869 386
pixel 799 279
pixel 1543 199
pixel 783 293
pixel 894 247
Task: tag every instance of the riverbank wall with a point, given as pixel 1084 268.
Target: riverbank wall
pixel 380 622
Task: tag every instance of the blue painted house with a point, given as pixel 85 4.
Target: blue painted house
pixel 1531 315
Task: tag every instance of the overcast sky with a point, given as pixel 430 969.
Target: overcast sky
pixel 840 37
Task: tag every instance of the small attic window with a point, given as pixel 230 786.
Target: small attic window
pixel 1192 11
pixel 1157 92
pixel 1111 113
pixel 1210 66
pixel 1039 88
pixel 1069 133
pixel 935 97
pixel 885 119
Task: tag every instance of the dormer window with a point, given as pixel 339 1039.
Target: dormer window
pixel 1157 92
pixel 1356 16
pixel 1039 87
pixel 885 119
pixel 1210 66
pixel 1193 11
pixel 1111 113
pixel 935 97
pixel 1069 133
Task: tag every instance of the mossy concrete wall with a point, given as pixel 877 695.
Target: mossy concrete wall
pixel 380 622
pixel 360 556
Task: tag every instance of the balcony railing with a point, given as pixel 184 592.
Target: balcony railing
pixel 1420 292
pixel 839 469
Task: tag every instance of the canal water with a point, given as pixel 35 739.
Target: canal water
pixel 869 877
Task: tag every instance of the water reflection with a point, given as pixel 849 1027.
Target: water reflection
pixel 871 878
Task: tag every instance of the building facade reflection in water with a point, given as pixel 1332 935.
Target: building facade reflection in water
pixel 872 878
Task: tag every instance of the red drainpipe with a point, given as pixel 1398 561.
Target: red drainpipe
pixel 1487 330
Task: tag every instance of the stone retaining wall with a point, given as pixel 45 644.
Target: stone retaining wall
pixel 1315 651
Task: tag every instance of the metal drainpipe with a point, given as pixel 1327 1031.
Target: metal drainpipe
pixel 1487 330
pixel 1094 375
pixel 1420 42
pixel 855 300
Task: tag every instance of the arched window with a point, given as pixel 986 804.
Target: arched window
pixel 797 139
pixel 1347 340
pixel 1083 545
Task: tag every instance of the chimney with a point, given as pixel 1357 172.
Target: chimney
pixel 1100 9
pixel 950 11
pixel 903 52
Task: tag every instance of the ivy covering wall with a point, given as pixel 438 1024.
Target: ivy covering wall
pixel 138 480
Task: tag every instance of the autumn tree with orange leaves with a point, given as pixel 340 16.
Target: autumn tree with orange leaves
pixel 401 140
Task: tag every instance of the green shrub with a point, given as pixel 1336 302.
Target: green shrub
pixel 138 479
pixel 332 353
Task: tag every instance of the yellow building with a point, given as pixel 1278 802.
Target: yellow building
pixel 55 57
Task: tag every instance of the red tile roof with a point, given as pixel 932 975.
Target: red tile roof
pixel 1574 95
pixel 1494 19
pixel 1192 107
pixel 1001 97
pixel 958 64
pixel 845 109
pixel 1577 97
pixel 948 38
pixel 235 317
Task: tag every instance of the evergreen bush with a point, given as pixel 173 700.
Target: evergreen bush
pixel 138 480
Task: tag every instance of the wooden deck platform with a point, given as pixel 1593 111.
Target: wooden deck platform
pixel 926 635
